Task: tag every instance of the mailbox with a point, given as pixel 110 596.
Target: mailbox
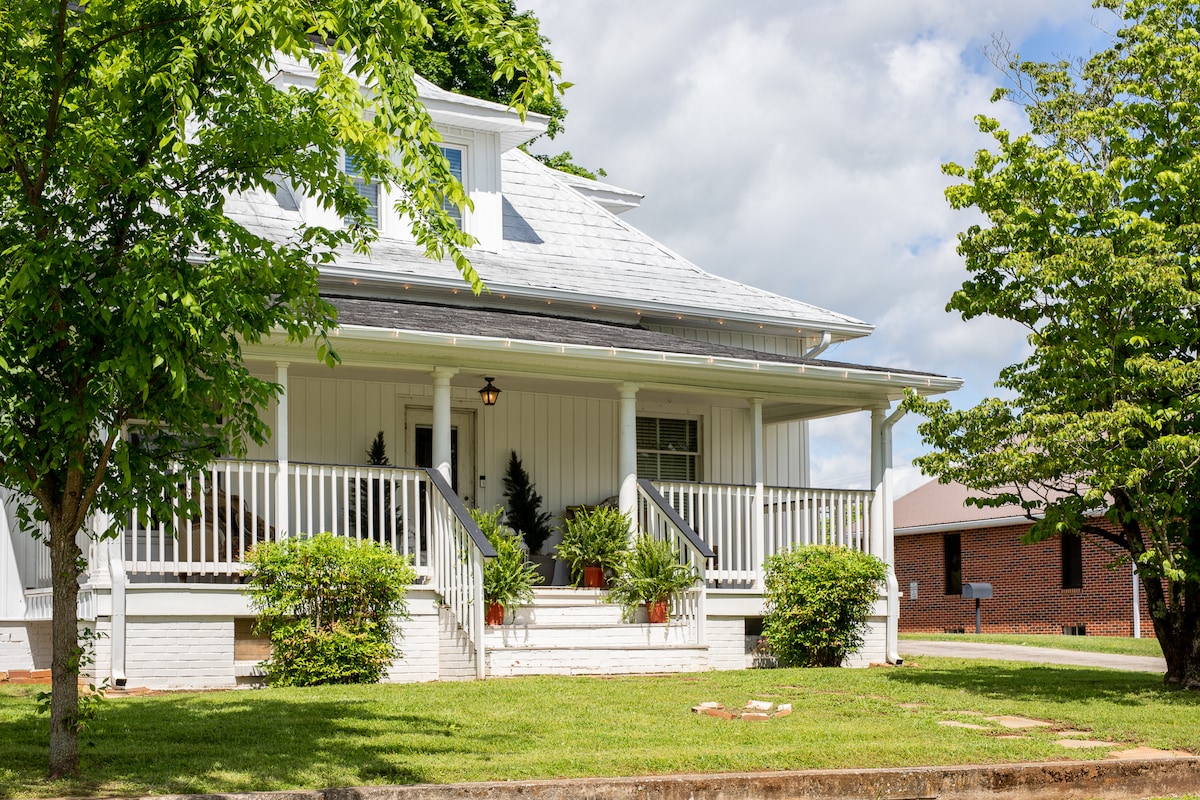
pixel 977 591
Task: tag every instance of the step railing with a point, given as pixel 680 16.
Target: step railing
pixel 661 521
pixel 724 517
pixel 459 552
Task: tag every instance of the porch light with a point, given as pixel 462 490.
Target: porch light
pixel 489 393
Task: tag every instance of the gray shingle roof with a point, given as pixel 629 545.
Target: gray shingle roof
pixel 559 243
pixel 454 320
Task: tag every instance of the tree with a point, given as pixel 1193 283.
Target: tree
pixel 525 513
pixel 1092 243
pixel 125 293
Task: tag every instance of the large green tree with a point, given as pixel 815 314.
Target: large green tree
pixel 1091 241
pixel 126 293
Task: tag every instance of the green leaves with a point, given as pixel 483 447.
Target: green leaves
pixel 1091 243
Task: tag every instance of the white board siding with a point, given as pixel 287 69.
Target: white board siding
pixel 775 345
pixel 567 443
pixel 785 453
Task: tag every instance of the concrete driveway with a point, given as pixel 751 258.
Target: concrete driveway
pixel 1036 655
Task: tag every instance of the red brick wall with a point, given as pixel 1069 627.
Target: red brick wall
pixel 1026 583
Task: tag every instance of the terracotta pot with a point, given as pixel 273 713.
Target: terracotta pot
pixel 656 612
pixel 494 614
pixel 593 577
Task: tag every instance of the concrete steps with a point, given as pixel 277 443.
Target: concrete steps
pixel 574 632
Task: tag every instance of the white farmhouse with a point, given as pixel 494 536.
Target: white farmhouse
pixel 625 372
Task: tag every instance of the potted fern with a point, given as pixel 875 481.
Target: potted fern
pixel 508 579
pixel 652 576
pixel 594 544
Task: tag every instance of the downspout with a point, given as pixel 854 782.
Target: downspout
pixel 1137 605
pixel 826 340
pixel 882 524
pixel 116 572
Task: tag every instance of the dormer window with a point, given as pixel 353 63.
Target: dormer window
pixel 454 156
pixel 366 188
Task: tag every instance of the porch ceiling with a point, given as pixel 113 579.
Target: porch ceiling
pixel 391 334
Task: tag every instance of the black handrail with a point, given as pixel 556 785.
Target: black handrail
pixel 676 520
pixel 460 511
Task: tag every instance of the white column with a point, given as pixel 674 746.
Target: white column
pixel 889 541
pixel 757 468
pixel 282 496
pixel 627 450
pixel 441 420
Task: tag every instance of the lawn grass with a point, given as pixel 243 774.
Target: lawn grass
pixel 549 727
pixel 1119 645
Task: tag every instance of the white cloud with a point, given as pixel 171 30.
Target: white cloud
pixel 798 146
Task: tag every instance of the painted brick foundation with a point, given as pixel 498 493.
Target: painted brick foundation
pixel 1027 584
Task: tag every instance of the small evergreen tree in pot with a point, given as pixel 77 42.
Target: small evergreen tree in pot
pixel 524 512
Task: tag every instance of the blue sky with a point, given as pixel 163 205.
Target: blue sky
pixel 796 145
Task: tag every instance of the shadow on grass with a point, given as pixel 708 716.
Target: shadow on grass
pixel 233 742
pixel 1034 683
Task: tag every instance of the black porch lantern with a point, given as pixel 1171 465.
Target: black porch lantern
pixel 489 393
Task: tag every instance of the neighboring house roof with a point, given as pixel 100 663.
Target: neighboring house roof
pixel 562 246
pixel 936 506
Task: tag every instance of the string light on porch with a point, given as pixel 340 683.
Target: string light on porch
pixel 489 393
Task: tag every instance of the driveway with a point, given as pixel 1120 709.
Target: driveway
pixel 1037 655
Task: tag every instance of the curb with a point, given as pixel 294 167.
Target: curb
pixel 1112 779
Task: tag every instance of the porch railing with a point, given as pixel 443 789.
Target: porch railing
pixel 238 505
pixel 459 552
pixel 658 519
pixel 724 517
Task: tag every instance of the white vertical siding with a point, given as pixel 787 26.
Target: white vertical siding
pixel 785 451
pixel 775 345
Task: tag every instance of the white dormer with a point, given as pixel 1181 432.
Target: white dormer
pixel 474 135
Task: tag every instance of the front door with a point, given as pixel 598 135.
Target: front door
pixel 419 429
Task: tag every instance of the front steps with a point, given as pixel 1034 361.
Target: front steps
pixel 574 632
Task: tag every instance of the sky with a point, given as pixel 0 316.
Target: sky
pixel 797 145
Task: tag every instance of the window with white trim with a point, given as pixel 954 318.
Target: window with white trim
pixel 366 188
pixel 668 449
pixel 454 156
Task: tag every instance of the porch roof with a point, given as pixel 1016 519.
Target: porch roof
pixel 489 338
pixel 499 324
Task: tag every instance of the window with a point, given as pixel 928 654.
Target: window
pixel 368 189
pixel 1072 561
pixel 668 449
pixel 455 157
pixel 952 550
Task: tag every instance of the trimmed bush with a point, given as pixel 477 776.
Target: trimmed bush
pixel 818 600
pixel 330 605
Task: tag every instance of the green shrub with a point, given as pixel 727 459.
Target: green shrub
pixel 818 600
pixel 595 538
pixel 330 605
pixel 508 579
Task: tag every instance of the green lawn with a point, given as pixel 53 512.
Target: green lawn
pixel 564 727
pixel 1119 645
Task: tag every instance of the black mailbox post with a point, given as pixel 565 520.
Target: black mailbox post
pixel 977 592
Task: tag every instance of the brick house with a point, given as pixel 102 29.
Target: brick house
pixel 1066 585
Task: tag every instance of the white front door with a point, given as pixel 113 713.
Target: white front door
pixel 418 428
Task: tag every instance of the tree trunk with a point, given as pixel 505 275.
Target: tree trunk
pixel 65 560
pixel 1176 615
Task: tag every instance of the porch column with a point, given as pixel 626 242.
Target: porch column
pixel 627 450
pixel 282 499
pixel 882 526
pixel 757 468
pixel 441 419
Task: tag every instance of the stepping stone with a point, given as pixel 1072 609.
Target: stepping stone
pixel 912 705
pixel 953 723
pixel 1065 734
pixel 1018 722
pixel 1081 744
pixel 1149 752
